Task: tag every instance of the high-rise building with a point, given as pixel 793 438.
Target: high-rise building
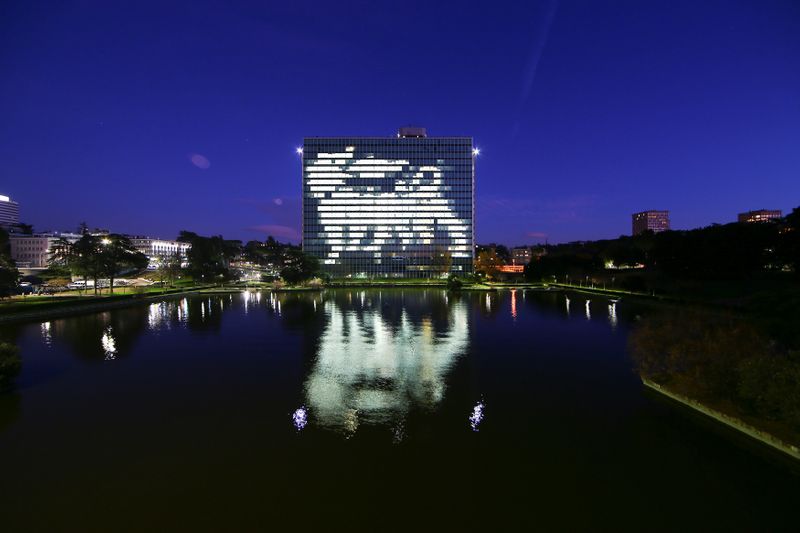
pixel 654 221
pixel 390 206
pixel 760 215
pixel 9 212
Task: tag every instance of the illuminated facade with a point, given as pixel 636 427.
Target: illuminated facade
pixel 654 221
pixel 389 206
pixel 157 250
pixel 760 215
pixel 9 212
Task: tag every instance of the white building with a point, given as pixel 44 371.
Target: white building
pixel 34 251
pixel 9 212
pixel 158 249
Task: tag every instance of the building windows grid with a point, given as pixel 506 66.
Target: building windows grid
pixel 389 207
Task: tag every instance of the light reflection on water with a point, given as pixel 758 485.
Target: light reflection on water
pixel 370 371
pixel 47 337
pixel 477 415
pixel 109 344
pixel 372 361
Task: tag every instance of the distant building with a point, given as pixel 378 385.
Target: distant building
pixel 760 215
pixel 157 250
pixel 9 212
pixel 521 255
pixel 654 221
pixel 398 207
pixel 34 251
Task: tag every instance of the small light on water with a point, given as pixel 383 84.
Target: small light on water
pixel 477 415
pixel 300 418
pixel 46 336
pixel 612 314
pixel 109 344
pixel 514 304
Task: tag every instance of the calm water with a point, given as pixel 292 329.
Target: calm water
pixel 368 409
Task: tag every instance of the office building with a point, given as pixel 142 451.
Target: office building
pixel 157 250
pixel 9 212
pixel 34 251
pixel 760 215
pixel 389 206
pixel 654 221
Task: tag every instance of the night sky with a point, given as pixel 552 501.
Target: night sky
pixel 153 117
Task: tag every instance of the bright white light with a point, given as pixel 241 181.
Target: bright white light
pixel 476 151
pixel 299 150
pixel 476 417
pixel 300 418
pixel 109 344
pixel 106 241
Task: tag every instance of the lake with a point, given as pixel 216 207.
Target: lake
pixel 366 409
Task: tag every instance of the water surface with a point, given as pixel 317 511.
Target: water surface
pixel 365 408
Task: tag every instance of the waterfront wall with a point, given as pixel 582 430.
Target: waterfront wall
pixel 735 423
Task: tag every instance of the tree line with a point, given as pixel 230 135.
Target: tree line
pixel 97 257
pixel 721 252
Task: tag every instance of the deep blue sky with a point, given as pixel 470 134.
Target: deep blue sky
pixel 585 111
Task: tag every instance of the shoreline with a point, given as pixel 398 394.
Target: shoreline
pixel 728 420
pixel 55 309
pixel 75 307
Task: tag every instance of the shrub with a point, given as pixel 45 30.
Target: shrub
pixel 277 285
pixel 453 282
pixel 316 283
pixel 10 364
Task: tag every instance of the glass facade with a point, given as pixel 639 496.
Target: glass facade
pixel 389 207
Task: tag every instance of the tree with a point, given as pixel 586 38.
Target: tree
pixel 25 229
pixel 441 260
pixel 10 364
pixel 210 257
pixel 299 266
pixel 170 268
pixel 8 269
pixel 117 254
pixel 488 263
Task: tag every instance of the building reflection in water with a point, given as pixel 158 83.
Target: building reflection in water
pixel 375 363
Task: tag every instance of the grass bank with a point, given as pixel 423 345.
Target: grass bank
pixel 44 307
